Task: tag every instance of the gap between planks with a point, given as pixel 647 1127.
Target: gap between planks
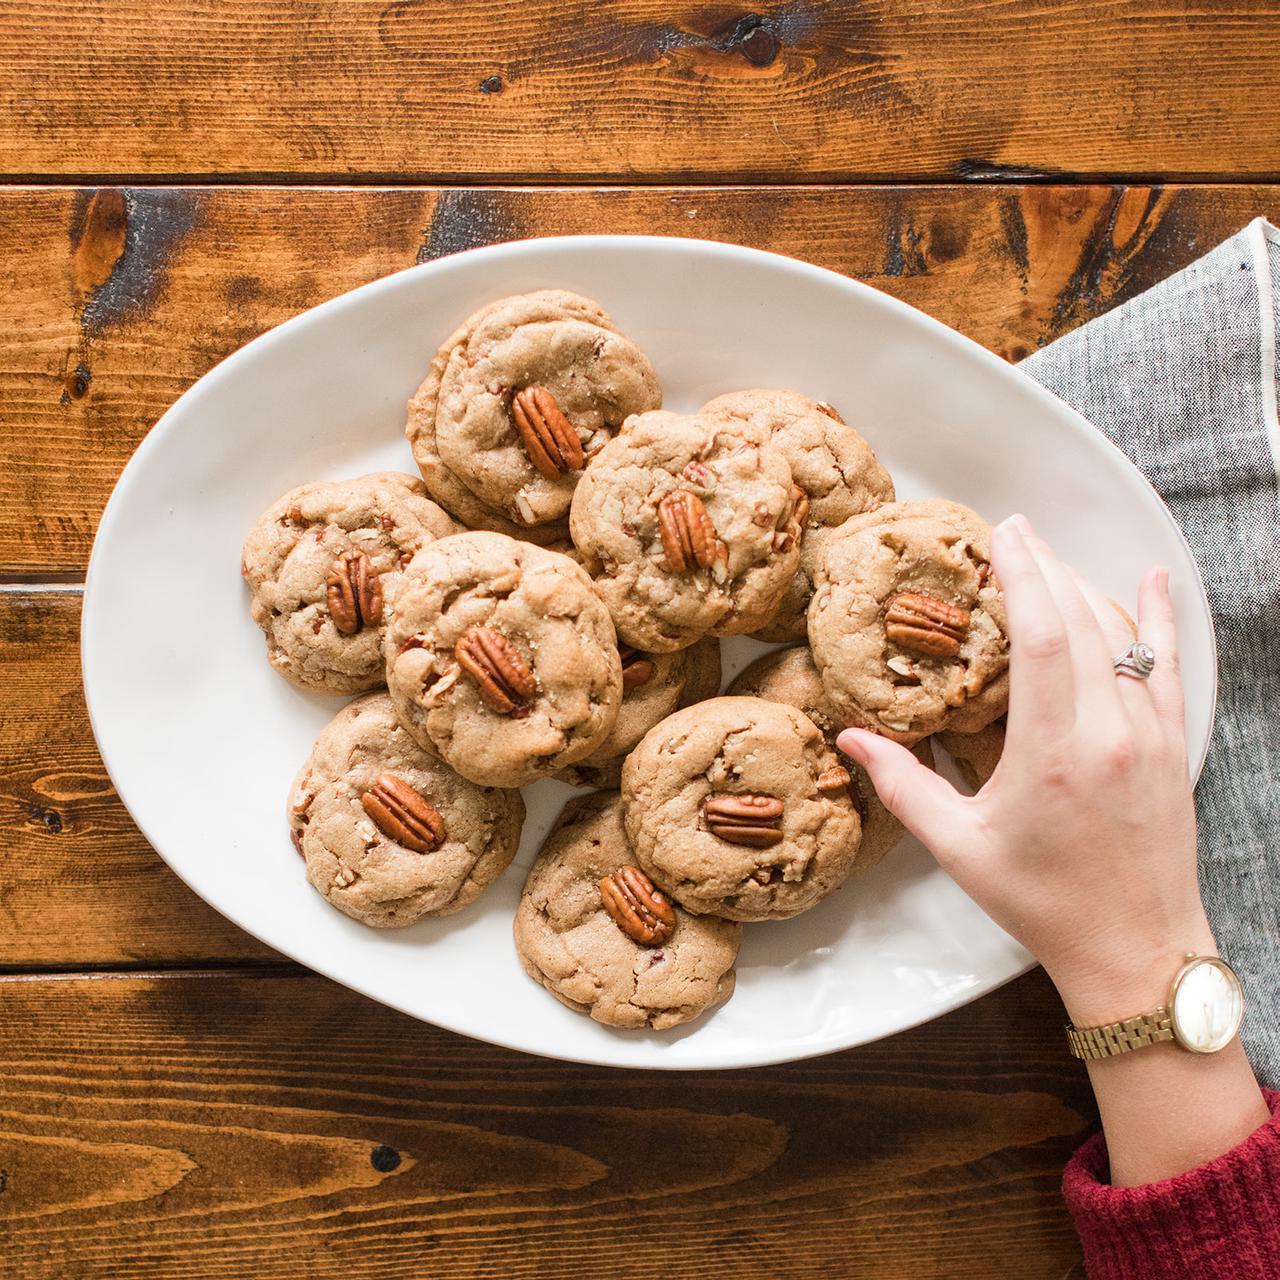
pixel 978 175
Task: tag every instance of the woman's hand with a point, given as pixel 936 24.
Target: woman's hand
pixel 1083 844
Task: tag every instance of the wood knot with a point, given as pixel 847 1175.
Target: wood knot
pixel 384 1158
pixel 755 39
pixel 491 84
pixel 100 242
pixel 77 382
pixel 47 818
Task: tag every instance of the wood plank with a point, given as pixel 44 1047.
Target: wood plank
pixel 636 89
pixel 78 882
pixel 113 302
pixel 218 1126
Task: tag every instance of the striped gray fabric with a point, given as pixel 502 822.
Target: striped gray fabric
pixel 1183 379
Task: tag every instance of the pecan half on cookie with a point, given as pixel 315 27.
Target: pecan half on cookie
pixel 501 674
pixel 547 435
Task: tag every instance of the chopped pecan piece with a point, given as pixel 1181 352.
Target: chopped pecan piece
pixel 835 779
pixel 403 814
pixel 698 473
pixel 925 625
pixel 501 674
pixel 753 820
pixel 353 592
pixel 548 437
pixel 637 668
pixel 637 907
pixel 830 410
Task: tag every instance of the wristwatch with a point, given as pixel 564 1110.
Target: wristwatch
pixel 1203 1014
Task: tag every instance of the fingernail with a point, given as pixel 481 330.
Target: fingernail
pixel 1022 524
pixel 850 741
pixel 1162 579
pixel 1008 528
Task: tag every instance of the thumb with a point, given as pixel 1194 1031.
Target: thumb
pixel 926 804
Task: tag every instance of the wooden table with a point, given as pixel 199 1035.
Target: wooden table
pixel 176 1100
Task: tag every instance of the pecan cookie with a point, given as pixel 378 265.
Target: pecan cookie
pixel 515 401
pixel 653 686
pixel 975 754
pixel 321 563
pixel 736 807
pixel 907 626
pixel 687 524
pixel 594 931
pixel 502 659
pixel 789 676
pixel 391 834
pixel 834 467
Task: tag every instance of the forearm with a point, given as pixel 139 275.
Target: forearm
pixel 1164 1110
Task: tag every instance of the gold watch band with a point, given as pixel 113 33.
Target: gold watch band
pixel 1121 1037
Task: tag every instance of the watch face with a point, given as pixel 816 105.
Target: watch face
pixel 1208 1006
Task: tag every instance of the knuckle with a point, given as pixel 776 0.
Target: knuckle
pixel 1118 756
pixel 1057 769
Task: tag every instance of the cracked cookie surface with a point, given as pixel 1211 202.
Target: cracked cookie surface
pixel 568 942
pixel 288 556
pixel 731 526
pixel 932 549
pixel 542 609
pixel 789 676
pixel 739 747
pixel 462 424
pixel 835 468
pixel 677 680
pixel 360 868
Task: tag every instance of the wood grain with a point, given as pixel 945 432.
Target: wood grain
pixel 79 885
pixel 219 1126
pixel 115 301
pixel 629 90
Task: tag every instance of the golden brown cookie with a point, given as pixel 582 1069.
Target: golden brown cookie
pixel 834 467
pixel 389 833
pixel 688 527
pixel 653 686
pixel 975 754
pixel 788 675
pixel 501 659
pixel 906 624
pixel 736 807
pixel 569 941
pixel 515 401
pixel 321 564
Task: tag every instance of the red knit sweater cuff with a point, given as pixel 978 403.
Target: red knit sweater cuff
pixel 1220 1220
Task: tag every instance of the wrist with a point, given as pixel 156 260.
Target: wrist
pixel 1103 985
